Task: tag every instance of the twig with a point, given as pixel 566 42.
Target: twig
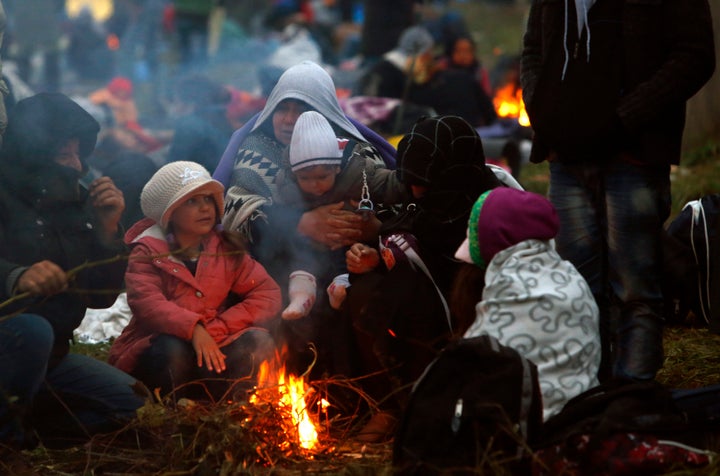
pixel 70 274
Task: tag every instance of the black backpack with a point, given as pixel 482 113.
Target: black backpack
pixel 474 410
pixel 622 427
pixel 692 263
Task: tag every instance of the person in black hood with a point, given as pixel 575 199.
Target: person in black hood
pixel 397 301
pixel 60 252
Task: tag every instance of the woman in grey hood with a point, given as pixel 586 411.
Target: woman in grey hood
pixel 249 167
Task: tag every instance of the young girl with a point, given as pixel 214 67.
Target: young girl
pixel 533 300
pixel 199 302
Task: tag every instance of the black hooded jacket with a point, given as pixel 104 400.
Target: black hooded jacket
pixel 45 215
pixel 398 317
pixel 647 58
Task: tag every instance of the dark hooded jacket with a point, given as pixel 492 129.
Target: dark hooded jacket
pixel 646 59
pixel 45 215
pixel 398 317
pixel 444 155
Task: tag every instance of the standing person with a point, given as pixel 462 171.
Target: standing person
pixel 192 22
pixel 36 28
pixel 4 90
pixel 605 84
pixel 532 300
pixel 382 27
pixel 55 237
pixel 324 170
pixel 200 304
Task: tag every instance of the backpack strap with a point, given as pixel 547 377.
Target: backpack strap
pixel 526 392
pixel 415 260
pixel 698 212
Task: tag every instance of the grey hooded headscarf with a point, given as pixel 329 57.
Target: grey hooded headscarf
pixel 309 83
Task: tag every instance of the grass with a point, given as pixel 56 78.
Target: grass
pixel 181 438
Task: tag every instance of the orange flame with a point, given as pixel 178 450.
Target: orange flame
pixel 292 392
pixel 508 102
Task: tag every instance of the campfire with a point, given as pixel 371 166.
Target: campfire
pixel 294 399
pixel 509 103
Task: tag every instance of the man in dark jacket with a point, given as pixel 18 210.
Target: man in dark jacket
pixel 605 85
pixel 60 253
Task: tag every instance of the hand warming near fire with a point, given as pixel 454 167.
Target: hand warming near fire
pixel 361 258
pixel 200 303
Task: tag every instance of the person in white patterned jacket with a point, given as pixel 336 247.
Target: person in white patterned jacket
pixel 533 300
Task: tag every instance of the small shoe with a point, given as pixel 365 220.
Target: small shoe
pixel 379 429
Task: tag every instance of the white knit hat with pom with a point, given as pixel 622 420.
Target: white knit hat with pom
pixel 165 190
pixel 313 142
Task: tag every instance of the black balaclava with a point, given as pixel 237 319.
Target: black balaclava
pixel 445 155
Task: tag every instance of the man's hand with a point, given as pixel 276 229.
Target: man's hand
pixel 109 204
pixel 361 258
pixel 44 278
pixel 331 225
pixel 207 350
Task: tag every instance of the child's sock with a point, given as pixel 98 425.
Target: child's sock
pixel 337 291
pixel 301 291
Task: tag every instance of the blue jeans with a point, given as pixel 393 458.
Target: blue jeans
pixel 66 404
pixel 611 218
pixel 171 365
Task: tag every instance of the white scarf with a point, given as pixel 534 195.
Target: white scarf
pixel 581 8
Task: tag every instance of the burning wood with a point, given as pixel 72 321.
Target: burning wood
pixel 293 398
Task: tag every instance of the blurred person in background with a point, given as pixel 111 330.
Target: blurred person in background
pixel 191 20
pixel 202 128
pixel 461 54
pixel 35 28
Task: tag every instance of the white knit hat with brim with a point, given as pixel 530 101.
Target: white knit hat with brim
pixel 313 142
pixel 175 181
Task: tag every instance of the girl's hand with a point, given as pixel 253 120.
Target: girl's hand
pixel 361 258
pixel 207 350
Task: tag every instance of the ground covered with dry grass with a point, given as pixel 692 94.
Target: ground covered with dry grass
pixel 183 437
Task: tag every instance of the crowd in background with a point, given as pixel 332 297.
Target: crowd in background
pixel 246 45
